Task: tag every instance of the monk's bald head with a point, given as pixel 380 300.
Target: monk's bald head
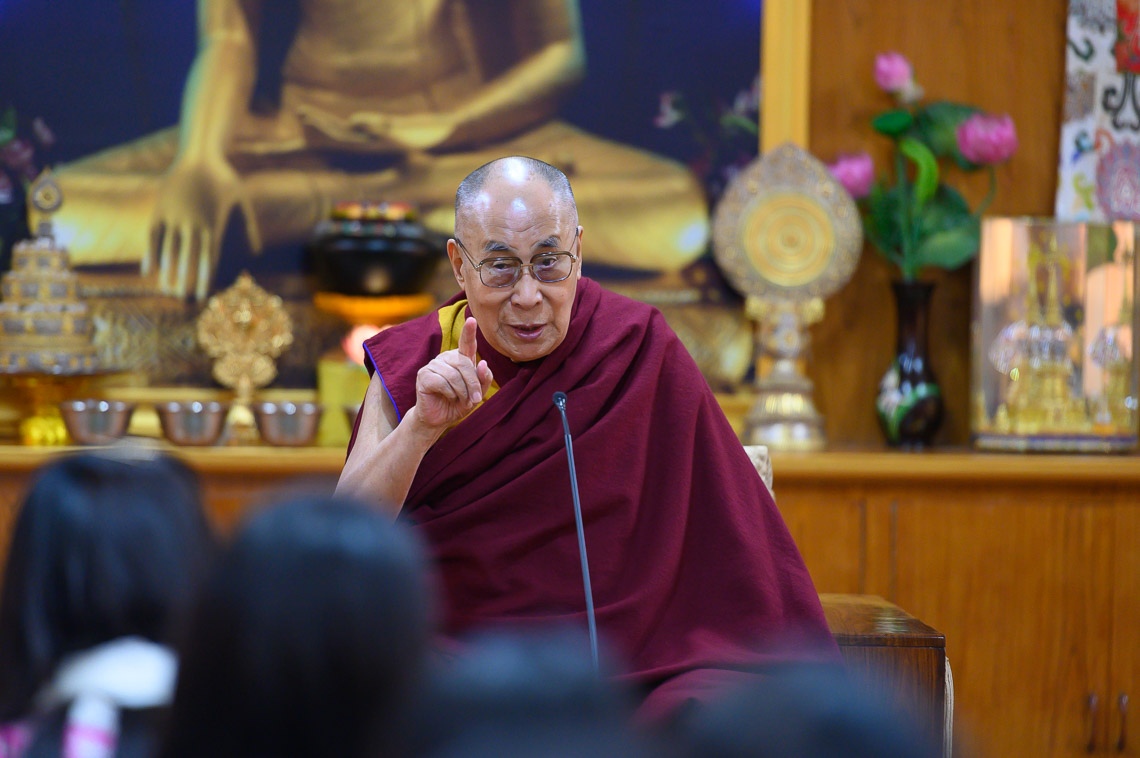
pixel 503 173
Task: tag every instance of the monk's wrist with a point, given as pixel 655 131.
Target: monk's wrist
pixel 423 435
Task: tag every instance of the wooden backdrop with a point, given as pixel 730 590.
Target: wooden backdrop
pixel 1006 56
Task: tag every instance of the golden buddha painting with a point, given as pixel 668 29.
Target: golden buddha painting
pixel 286 108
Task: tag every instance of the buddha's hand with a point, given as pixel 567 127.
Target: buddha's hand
pixel 401 132
pixel 194 202
pixel 452 384
pixel 420 131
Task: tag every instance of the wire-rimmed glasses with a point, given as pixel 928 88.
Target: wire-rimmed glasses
pixel 547 268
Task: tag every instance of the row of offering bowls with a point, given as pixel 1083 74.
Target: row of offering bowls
pixel 191 422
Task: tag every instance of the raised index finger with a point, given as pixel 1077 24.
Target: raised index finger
pixel 467 344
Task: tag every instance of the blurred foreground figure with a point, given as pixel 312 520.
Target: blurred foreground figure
pixel 804 712
pixel 106 556
pixel 513 695
pixel 376 100
pixel 309 639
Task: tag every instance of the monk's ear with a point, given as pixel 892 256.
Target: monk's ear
pixel 579 274
pixel 455 257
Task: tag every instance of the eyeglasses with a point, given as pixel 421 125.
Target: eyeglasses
pixel 547 268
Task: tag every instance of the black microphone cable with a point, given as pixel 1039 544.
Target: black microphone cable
pixel 560 403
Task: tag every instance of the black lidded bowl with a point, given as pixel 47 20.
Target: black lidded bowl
pixel 374 256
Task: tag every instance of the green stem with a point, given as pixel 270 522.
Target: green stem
pixel 989 198
pixel 904 215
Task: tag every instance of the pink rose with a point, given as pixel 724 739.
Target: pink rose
pixel 987 140
pixel 893 72
pixel 856 172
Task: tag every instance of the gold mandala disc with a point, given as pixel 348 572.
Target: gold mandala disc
pixel 788 238
pixel 786 228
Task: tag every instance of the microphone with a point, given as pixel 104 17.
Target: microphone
pixel 560 403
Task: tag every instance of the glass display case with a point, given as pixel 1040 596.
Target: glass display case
pixel 1053 364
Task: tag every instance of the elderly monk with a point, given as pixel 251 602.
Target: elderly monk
pixel 379 99
pixel 695 577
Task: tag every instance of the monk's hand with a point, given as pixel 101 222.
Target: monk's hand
pixel 194 202
pixel 452 384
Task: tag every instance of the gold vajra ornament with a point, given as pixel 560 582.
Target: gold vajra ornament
pixel 244 328
pixel 786 235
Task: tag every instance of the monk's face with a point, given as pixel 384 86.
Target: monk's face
pixel 519 217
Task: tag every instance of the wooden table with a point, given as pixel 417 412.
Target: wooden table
pixel 892 651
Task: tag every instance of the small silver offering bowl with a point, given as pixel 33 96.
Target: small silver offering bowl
pixel 191 422
pixel 96 422
pixel 287 424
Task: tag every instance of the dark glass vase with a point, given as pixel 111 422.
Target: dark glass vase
pixel 909 402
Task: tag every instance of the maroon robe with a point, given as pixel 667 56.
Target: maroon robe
pixel 695 576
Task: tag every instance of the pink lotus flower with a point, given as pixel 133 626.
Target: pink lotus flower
pixel 987 140
pixel 893 72
pixel 669 113
pixel 856 172
pixel 43 133
pixel 747 102
pixel 18 155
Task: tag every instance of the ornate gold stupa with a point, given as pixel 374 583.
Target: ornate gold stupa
pixel 44 327
pixel 46 330
pixel 1052 336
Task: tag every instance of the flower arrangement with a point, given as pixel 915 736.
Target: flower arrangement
pixel 914 218
pixel 726 137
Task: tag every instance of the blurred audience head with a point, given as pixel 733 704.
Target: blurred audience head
pixel 805 711
pixel 536 693
pixel 309 637
pixel 107 553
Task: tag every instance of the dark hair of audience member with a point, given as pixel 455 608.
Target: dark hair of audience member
pixel 535 693
pixel 106 546
pixel 805 711
pixel 310 636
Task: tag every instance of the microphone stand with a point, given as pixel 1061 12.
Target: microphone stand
pixel 560 403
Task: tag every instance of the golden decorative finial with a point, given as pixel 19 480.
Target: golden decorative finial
pixel 244 328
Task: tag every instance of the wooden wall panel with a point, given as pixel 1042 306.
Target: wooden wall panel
pixel 1124 675
pixel 1021 590
pixel 1006 56
pixel 828 525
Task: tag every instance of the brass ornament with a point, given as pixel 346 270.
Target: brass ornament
pixel 786 234
pixel 786 228
pixel 240 324
pixel 45 194
pixel 244 328
pixel 788 239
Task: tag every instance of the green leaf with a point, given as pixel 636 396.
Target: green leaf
pixel 937 125
pixel 949 249
pixel 7 126
pixel 734 121
pixel 881 222
pixel 893 123
pixel 926 170
pixel 946 210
